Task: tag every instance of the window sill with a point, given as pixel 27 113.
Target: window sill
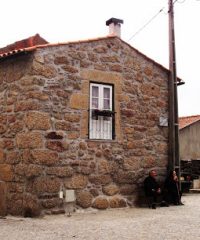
pixel 102 140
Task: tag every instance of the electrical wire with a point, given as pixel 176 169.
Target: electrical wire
pixel 181 1
pixel 151 19
pixel 146 24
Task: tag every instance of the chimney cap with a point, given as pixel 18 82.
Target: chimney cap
pixel 114 20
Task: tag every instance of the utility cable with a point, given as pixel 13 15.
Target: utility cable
pixel 181 1
pixel 147 23
pixel 151 19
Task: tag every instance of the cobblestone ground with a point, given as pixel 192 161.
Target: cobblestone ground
pixel 174 222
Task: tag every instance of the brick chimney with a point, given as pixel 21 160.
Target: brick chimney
pixel 114 26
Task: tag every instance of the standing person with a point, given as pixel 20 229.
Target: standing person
pixel 152 189
pixel 171 186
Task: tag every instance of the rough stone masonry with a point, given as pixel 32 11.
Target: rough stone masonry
pixel 44 145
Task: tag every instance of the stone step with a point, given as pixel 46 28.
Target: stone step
pixel 195 190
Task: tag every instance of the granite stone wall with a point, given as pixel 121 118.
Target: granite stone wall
pixel 44 145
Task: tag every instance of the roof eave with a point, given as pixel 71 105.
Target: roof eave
pixel 179 80
pixel 16 52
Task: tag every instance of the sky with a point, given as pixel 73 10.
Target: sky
pixel 145 28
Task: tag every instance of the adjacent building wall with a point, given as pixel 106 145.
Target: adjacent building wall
pixel 189 142
pixel 44 102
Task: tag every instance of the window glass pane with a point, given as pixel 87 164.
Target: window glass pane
pixel 101 123
pixel 106 104
pixel 95 91
pixel 95 103
pixel 106 93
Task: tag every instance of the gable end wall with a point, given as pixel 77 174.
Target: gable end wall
pixel 44 127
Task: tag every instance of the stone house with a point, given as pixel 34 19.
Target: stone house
pixel 80 119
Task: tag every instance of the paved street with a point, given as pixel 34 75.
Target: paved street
pixel 166 223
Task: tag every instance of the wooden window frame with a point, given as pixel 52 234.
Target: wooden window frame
pixel 100 112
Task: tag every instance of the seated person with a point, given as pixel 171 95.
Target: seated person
pixel 171 187
pixel 152 189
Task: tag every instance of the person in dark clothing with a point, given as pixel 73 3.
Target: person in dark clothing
pixel 171 187
pixel 152 189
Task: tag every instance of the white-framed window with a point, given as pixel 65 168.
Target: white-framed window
pixel 101 114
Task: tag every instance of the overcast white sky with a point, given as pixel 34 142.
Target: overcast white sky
pixel 68 20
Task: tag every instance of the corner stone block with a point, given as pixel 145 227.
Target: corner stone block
pixel 117 202
pixel 100 203
pixel 44 70
pixel 110 190
pixel 104 167
pixel 44 184
pixel 38 121
pixel 84 199
pixel 79 101
pixel 29 140
pixel 45 157
pixel 77 182
pixel 100 76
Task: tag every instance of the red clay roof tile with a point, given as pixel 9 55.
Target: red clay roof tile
pixel 36 41
pixel 186 121
pixel 24 46
pixel 25 43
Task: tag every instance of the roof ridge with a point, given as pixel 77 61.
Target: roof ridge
pixel 47 44
pixel 90 40
pixel 102 38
